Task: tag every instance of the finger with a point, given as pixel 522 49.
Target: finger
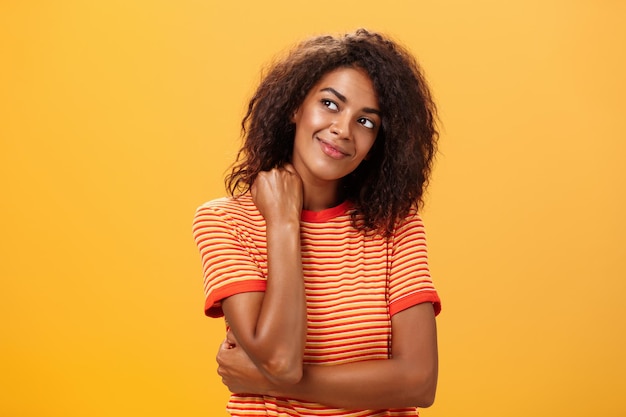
pixel 230 339
pixel 289 167
pixel 224 346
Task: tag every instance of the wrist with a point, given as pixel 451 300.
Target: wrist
pixel 281 391
pixel 284 224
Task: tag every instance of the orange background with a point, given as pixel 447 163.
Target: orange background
pixel 118 118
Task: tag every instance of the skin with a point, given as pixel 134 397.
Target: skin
pixel 271 326
pixel 336 126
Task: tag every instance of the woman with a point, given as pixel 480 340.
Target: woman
pixel 318 259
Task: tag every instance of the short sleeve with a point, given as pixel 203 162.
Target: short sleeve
pixel 229 263
pixel 410 282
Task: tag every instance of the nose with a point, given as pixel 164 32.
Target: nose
pixel 341 127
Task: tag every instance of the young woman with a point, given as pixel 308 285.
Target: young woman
pixel 318 258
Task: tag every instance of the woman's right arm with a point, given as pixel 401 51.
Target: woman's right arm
pixel 271 326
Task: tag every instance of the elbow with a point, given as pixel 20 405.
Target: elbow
pixel 426 400
pixel 283 371
pixel 287 376
pixel 423 389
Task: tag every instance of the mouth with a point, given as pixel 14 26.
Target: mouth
pixel 332 150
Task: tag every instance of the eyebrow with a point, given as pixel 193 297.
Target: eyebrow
pixel 345 100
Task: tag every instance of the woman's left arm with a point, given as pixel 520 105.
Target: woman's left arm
pixel 407 379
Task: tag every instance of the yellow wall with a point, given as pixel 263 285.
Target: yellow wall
pixel 118 118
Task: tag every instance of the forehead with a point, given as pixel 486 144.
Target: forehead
pixel 350 82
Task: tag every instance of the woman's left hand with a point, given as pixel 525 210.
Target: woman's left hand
pixel 237 370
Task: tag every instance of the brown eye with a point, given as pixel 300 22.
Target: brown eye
pixel 330 104
pixel 367 123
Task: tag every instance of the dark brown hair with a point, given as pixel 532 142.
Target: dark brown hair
pixel 384 188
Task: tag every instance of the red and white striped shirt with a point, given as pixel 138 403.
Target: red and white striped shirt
pixel 354 283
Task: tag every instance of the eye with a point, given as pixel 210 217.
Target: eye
pixel 366 123
pixel 330 104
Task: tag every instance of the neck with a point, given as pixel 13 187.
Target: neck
pixel 320 197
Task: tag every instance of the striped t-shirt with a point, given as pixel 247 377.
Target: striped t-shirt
pixel 354 282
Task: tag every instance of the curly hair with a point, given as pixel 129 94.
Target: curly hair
pixel 387 186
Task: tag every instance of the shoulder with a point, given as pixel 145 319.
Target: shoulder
pixel 228 204
pixel 412 221
pixel 409 232
pixel 240 208
pixel 233 216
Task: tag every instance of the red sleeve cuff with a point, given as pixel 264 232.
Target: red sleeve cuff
pixel 415 299
pixel 213 303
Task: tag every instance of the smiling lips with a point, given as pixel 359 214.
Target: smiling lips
pixel 330 150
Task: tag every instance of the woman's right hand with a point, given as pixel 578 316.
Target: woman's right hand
pixel 277 194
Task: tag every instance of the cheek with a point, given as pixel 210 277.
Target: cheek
pixel 310 118
pixel 368 144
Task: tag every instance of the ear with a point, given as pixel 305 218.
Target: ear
pixel 295 117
